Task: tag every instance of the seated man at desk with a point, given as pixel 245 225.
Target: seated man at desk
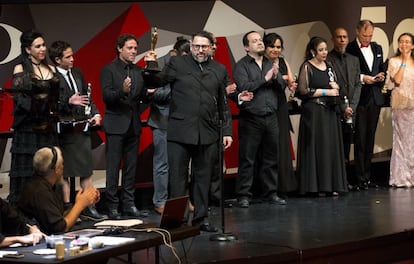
pixel 14 228
pixel 40 199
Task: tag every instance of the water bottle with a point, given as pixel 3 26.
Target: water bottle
pixel 349 119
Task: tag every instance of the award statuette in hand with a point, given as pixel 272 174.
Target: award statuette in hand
pixel 153 65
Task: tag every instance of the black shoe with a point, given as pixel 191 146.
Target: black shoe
pixel 114 214
pixel 373 185
pixel 134 212
pixel 206 227
pixel 274 199
pixel 67 206
pixel 243 202
pixel 353 188
pixel 363 186
pixel 90 213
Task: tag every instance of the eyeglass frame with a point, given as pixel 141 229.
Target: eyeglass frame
pixel 203 47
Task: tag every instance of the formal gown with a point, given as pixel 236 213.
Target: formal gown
pixel 287 180
pixel 402 104
pixel 321 162
pixel 34 122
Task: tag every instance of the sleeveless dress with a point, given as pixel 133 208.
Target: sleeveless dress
pixel 35 114
pixel 321 161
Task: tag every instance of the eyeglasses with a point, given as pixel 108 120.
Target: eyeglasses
pixel 203 47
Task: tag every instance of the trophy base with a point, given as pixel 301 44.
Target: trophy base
pixel 293 107
pixel 152 66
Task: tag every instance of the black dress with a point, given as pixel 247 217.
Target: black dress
pixel 33 126
pixel 321 162
pixel 287 181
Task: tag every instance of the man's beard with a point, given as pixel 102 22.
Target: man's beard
pixel 200 60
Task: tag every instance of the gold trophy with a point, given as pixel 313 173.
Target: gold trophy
pixel 152 66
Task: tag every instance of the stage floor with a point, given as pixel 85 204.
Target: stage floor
pixel 307 230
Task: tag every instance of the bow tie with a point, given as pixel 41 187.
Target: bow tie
pixel 364 46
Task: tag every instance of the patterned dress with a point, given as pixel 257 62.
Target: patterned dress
pixel 33 127
pixel 402 104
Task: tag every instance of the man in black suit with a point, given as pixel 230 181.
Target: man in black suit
pixel 197 94
pixel 122 90
pixel 348 77
pixel 371 62
pixel 158 121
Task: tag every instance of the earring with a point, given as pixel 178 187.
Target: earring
pixel 313 54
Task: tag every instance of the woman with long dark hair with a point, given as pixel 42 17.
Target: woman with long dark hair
pixel 400 80
pixel 273 50
pixel 321 161
pixel 35 108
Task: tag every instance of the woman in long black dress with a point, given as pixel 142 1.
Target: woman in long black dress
pixel 321 162
pixel 273 50
pixel 35 109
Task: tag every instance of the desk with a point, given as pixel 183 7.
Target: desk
pixel 143 240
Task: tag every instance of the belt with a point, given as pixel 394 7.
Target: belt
pixel 72 126
pixel 326 100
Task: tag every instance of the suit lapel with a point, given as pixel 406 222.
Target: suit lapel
pixel 340 71
pixel 195 73
pixel 77 81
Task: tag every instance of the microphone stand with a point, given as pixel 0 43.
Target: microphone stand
pixel 223 236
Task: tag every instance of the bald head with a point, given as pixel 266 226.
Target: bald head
pixel 46 160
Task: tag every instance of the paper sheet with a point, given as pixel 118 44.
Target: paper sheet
pixel 119 223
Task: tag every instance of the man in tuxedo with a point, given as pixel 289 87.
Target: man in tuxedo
pixel 372 67
pixel 348 78
pixel 122 90
pixel 78 113
pixel 197 94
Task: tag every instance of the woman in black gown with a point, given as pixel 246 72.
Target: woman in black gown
pixel 321 162
pixel 35 109
pixel 273 51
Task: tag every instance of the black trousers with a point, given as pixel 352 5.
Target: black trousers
pixel 203 160
pixel 366 125
pixel 258 133
pixel 121 147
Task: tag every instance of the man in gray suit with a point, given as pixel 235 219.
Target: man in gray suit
pixel 348 77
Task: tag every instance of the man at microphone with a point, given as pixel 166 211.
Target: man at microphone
pixel 197 94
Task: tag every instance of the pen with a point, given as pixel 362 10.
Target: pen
pixel 43 234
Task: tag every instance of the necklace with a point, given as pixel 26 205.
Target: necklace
pixel 38 68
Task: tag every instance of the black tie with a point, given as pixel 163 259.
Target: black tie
pixel 72 86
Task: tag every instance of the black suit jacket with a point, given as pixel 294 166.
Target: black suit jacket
pixel 160 101
pixel 195 92
pixel 369 90
pixel 66 110
pixel 121 109
pixel 348 79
